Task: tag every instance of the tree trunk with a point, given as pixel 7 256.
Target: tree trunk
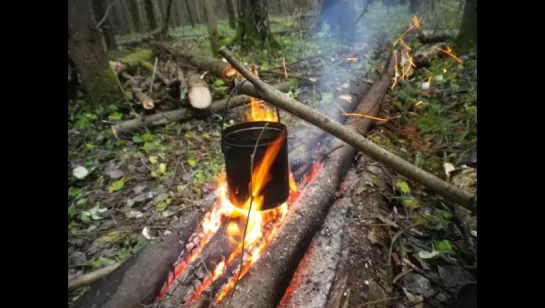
pixel 414 6
pixel 89 55
pixel 99 8
pixel 467 38
pixel 253 31
pixel 190 13
pixel 167 17
pixel 231 14
pixel 135 15
pixel 175 15
pixel 340 15
pixel 196 4
pixel 150 14
pixel 212 26
pixel 122 17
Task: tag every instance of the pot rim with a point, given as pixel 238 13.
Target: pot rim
pixel 274 127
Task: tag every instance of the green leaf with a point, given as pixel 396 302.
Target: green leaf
pixel 403 187
pixel 71 210
pixel 81 201
pixel 428 255
pixel 110 237
pixel 141 244
pixel 219 83
pixel 161 206
pixel 180 188
pixel 90 146
pixel 117 185
pixel 137 139
pixel 265 65
pixel 153 159
pixel 116 116
pixel 74 192
pixel 147 137
pixel 192 162
pixel 100 180
pixel 163 168
pixel 120 143
pixel 443 246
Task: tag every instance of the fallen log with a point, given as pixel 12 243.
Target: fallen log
pixel 91 277
pixel 189 113
pixel 424 55
pixel 138 280
pixel 265 283
pixel 435 36
pixel 369 148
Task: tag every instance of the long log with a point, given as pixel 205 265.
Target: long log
pixel 435 36
pixel 354 139
pixel 138 280
pixel 266 281
pixel 189 113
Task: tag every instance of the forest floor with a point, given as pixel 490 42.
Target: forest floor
pixel 133 187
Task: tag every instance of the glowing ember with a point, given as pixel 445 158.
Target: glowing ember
pixel 352 59
pixel 396 67
pixel 449 53
pixel 365 116
pixel 347 98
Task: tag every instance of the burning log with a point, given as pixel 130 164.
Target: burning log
pixel 376 152
pixel 189 113
pixel 137 281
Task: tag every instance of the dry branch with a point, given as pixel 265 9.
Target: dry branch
pixel 376 152
pixel 139 279
pixel 189 113
pixel 91 277
pixel 141 97
pixel 435 36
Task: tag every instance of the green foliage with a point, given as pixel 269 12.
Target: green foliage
pixel 117 185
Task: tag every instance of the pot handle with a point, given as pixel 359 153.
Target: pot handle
pixel 227 108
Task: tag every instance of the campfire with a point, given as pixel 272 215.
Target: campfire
pixel 254 195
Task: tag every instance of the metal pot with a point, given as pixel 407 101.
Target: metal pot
pixel 466 297
pixel 238 143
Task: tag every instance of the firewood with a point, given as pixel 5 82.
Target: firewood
pixel 142 98
pixel 199 94
pixel 428 180
pixel 424 55
pixel 435 36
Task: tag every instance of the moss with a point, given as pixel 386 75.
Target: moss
pixel 105 89
pixel 141 57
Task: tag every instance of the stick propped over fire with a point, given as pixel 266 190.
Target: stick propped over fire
pixel 254 194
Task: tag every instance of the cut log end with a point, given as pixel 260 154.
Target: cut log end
pixel 200 97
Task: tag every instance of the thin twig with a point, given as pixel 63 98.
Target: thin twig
pixel 252 158
pixel 153 76
pixel 99 24
pixel 379 301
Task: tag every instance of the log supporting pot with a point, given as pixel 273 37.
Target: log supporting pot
pixel 238 143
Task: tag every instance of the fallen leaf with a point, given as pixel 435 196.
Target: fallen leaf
pixel 428 255
pixel 167 232
pixel 80 172
pixel 425 86
pixel 347 98
pixel 163 168
pixel 313 79
pixel 117 185
pixel 153 159
pixel 110 237
pixel 403 187
pixel 416 300
pixel 146 234
pixel 134 214
pixel 192 162
pixel 443 246
pixel 113 172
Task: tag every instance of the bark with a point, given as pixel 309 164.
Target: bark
pixel 138 280
pixel 100 8
pixel 467 38
pixel 189 113
pixel 89 57
pixel 212 22
pixel 376 152
pixel 150 14
pixel 167 18
pixel 135 15
pixel 253 29
pixel 190 13
pixel 175 15
pixel 196 5
pixel 122 17
pixel 231 13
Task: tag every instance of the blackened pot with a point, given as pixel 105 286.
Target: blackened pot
pixel 238 142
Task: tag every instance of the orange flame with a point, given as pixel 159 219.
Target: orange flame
pixel 449 53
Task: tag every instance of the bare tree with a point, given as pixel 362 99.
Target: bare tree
pixel 164 31
pixel 197 12
pixel 467 38
pixel 212 26
pixel 231 13
pixel 89 56
pixel 100 9
pixel 190 13
pixel 135 15
pixel 148 4
pixel 253 30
